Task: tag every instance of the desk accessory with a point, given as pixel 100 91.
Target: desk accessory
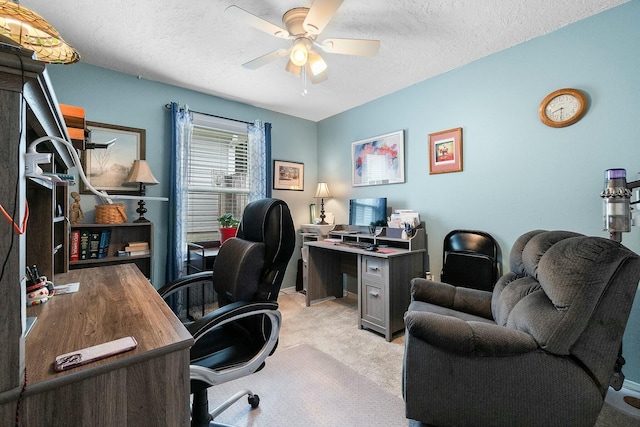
pixel 96 352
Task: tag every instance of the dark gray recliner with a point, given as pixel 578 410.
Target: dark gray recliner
pixel 538 350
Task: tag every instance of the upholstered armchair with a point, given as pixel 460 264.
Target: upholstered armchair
pixel 539 350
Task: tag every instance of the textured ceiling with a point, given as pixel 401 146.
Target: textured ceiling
pixel 194 45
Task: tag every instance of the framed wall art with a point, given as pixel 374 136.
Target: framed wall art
pixel 445 151
pixel 107 169
pixel 378 160
pixel 288 175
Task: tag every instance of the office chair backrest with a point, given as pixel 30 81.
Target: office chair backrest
pixel 470 259
pixel 269 221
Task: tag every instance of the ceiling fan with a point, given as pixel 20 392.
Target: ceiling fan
pixel 303 26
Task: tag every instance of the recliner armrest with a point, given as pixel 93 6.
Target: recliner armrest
pixel 472 301
pixel 467 338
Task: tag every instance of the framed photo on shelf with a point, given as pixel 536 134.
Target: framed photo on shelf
pixel 107 169
pixel 445 151
pixel 288 175
pixel 378 160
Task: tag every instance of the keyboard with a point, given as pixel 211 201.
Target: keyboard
pixel 357 245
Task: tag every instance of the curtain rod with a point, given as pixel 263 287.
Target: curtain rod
pixel 168 107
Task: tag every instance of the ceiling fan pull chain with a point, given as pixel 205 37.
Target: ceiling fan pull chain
pixel 304 82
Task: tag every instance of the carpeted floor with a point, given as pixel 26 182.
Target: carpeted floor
pixel 302 388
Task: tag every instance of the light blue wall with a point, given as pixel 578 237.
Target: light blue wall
pixel 116 98
pixel 518 174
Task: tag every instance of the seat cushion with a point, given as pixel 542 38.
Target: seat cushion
pixel 432 308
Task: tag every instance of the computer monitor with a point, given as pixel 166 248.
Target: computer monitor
pixel 368 212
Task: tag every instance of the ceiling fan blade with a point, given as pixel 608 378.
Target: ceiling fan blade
pixel 241 15
pixel 351 46
pixel 319 15
pixel 265 59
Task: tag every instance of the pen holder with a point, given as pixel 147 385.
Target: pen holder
pixel 40 292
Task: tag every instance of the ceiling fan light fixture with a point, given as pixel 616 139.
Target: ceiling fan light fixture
pixel 33 32
pixel 293 69
pixel 299 52
pixel 317 65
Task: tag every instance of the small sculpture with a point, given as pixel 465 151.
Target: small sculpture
pixel 76 214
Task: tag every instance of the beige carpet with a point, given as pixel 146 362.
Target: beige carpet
pixel 331 328
pixel 302 386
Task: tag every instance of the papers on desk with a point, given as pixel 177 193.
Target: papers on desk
pixel 332 240
pixel 67 289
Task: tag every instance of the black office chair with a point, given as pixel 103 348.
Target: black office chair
pixel 235 339
pixel 470 259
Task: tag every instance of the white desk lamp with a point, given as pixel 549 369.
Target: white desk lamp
pixel 32 170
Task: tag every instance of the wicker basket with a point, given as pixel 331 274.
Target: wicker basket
pixel 111 214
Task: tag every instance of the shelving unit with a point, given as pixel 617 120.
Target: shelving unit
pixel 29 111
pixel 390 237
pixel 121 234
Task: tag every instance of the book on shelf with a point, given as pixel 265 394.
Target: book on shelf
pixel 105 237
pixel 84 244
pixel 94 244
pixel 136 246
pixel 134 253
pixel 74 250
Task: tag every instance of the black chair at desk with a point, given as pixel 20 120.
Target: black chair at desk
pixel 234 340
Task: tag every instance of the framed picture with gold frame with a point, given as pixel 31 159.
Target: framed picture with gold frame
pixel 107 169
pixel 445 151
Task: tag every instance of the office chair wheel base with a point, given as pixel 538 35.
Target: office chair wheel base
pixel 254 400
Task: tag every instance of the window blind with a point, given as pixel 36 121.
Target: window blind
pixel 217 178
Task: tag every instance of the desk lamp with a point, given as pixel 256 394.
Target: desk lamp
pixel 141 174
pixel 321 192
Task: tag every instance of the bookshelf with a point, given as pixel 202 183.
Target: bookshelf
pixel 121 235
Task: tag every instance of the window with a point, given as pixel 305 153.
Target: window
pixel 218 175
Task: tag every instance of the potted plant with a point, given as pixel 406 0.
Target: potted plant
pixel 228 226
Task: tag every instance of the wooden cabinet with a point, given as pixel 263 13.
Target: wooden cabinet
pixel 121 235
pixel 384 290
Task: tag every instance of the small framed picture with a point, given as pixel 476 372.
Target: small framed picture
pixel 445 151
pixel 288 175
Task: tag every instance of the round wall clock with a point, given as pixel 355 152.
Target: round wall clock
pixel 563 107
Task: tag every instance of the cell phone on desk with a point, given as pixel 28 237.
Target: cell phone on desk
pixel 96 352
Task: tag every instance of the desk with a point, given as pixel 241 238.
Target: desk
pixel 146 386
pixel 383 281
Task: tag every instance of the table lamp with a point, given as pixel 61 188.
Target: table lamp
pixel 321 192
pixel 141 174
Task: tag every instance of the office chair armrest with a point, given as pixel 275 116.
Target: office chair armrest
pixel 467 300
pixel 228 313
pixel 468 338
pixel 185 281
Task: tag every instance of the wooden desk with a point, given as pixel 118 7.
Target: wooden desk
pixel 383 281
pixel 146 386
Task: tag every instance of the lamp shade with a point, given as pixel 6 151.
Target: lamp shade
pixel 141 174
pixel 322 191
pixel 33 32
